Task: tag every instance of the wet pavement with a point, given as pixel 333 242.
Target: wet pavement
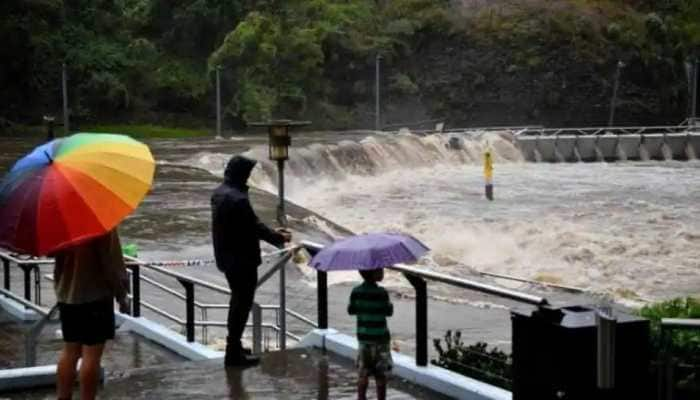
pixel 295 374
pixel 125 352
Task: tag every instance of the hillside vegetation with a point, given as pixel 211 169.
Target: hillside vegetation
pixel 472 62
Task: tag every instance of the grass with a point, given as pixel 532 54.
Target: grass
pixel 136 131
pixel 147 131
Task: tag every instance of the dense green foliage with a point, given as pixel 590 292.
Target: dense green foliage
pixel 476 361
pixel 154 60
pixel 679 341
pixel 682 347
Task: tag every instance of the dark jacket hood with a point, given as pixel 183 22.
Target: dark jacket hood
pixel 238 171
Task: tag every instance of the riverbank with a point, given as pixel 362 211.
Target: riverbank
pixel 138 131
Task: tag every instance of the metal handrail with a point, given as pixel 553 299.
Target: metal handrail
pixel 10 256
pixel 471 285
pixel 299 317
pixel 660 129
pixel 680 323
pixel 38 309
pixel 189 283
pixel 458 282
pixel 418 278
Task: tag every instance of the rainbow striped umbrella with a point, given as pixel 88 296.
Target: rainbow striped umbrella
pixel 72 189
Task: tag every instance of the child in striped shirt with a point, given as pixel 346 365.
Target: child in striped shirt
pixel 370 303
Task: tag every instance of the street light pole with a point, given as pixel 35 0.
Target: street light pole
pixel 64 85
pixel 694 105
pixel 281 214
pixel 613 102
pixel 280 140
pixel 377 103
pixel 218 102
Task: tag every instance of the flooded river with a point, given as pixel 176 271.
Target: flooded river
pixel 629 230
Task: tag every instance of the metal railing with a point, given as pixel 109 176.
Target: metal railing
pixel 602 130
pixel 418 278
pixel 28 266
pixel 190 284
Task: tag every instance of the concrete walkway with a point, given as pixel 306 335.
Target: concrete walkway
pixel 291 375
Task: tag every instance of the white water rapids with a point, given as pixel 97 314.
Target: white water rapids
pixel 627 229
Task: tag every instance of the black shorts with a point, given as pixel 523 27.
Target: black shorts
pixel 88 323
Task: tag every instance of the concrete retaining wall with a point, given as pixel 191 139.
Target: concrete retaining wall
pixel 652 143
pixel 587 148
pixel 629 145
pixel 695 142
pixel 527 146
pixel 609 147
pixel 565 145
pixel 546 149
pixel 677 147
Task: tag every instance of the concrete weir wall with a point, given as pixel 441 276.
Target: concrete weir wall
pixel 609 147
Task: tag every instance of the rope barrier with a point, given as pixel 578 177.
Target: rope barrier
pixel 201 262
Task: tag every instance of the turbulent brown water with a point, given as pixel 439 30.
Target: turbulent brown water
pixel 628 229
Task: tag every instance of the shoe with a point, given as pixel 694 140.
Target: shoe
pixel 242 361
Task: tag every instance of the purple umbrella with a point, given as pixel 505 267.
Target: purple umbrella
pixel 369 251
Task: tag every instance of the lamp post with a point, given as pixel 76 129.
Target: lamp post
pixel 64 89
pixel 694 100
pixel 218 101
pixel 49 119
pixel 613 103
pixel 278 132
pixel 377 103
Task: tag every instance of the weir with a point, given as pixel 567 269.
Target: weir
pixel 609 144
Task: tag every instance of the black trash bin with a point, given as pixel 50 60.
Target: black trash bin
pixel 554 355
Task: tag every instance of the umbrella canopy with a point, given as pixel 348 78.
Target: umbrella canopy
pixel 369 251
pixel 72 189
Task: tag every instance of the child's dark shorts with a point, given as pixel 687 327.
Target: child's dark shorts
pixel 88 323
pixel 374 359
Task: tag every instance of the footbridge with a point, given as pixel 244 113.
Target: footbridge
pixel 643 143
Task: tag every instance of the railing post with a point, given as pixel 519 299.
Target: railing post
pixel 661 365
pixel 136 291
pixel 6 276
pixel 257 328
pixel 322 298
pixel 37 284
pixel 421 318
pixel 283 307
pixel 189 312
pixel 606 355
pixel 27 282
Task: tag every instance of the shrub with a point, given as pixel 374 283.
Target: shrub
pixel 476 361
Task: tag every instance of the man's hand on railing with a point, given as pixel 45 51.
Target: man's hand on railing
pixel 286 234
pixel 124 305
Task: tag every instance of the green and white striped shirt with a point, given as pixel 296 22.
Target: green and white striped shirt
pixel 370 302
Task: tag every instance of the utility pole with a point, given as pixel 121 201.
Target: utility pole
pixel 64 84
pixel 613 102
pixel 694 104
pixel 218 101
pixel 377 103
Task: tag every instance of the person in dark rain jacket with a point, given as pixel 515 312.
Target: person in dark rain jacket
pixel 236 234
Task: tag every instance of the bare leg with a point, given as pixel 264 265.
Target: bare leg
pixel 90 371
pixel 381 387
pixel 66 370
pixel 362 383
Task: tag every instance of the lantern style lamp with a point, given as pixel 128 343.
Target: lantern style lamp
pixel 279 142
